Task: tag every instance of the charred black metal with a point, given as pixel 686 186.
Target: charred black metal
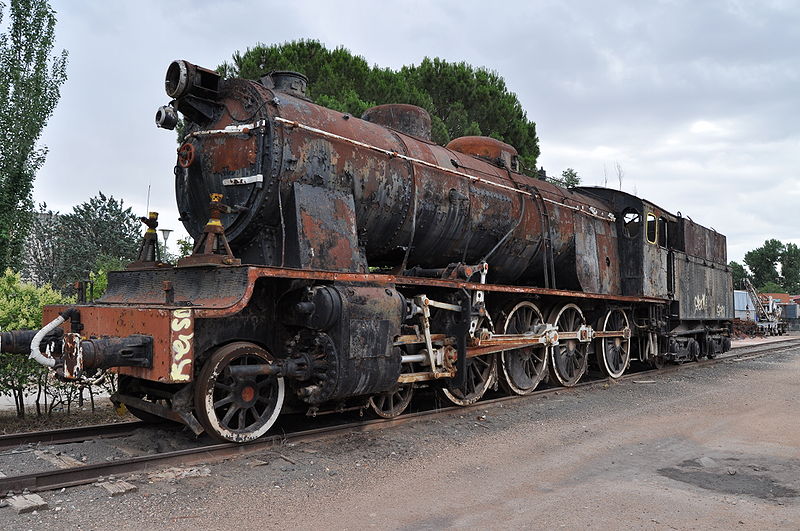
pixel 186 79
pixel 81 355
pixel 19 341
pixel 167 117
pixel 293 83
pixel 301 368
pixel 452 271
pixel 317 308
pixel 194 90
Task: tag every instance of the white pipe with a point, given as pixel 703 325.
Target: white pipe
pixel 36 355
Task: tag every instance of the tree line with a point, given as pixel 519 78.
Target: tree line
pixel 772 268
pixel 461 99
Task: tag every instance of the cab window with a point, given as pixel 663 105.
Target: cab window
pixel 662 232
pixel 631 223
pixel 652 228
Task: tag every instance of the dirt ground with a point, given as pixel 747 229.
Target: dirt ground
pixel 703 448
pixel 104 413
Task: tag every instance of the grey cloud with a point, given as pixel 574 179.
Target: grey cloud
pixel 606 82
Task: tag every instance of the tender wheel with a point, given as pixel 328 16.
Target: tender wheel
pixel 658 362
pixel 710 348
pixel 568 359
pixel 726 344
pixel 238 410
pixel 523 369
pixel 614 353
pixel 694 350
pixel 392 403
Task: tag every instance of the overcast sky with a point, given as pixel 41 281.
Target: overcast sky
pixel 697 102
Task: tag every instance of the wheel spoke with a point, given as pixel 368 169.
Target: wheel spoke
pixel 227 400
pixel 229 415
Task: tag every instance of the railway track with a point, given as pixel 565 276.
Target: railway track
pixel 79 475
pixel 69 435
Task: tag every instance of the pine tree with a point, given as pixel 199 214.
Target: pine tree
pixel 461 99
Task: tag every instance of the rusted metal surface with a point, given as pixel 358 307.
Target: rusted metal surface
pixel 655 271
pixel 409 119
pixel 226 290
pixel 231 154
pixel 702 242
pixel 255 273
pixel 322 231
pixel 212 248
pixel 596 256
pixel 490 149
pixel 703 289
pixel 413 201
pixel 171 331
pixel 315 199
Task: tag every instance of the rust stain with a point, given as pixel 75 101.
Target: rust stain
pixel 230 154
pixel 110 321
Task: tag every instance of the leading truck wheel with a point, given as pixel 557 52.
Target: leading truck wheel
pixel 394 402
pixel 237 409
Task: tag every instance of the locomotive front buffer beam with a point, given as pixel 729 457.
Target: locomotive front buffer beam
pixel 74 357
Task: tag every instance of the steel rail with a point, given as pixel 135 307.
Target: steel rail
pixel 68 435
pixel 79 475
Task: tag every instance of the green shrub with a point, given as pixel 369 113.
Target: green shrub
pixel 21 308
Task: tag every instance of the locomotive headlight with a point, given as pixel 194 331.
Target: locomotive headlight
pixel 166 117
pixel 177 79
pixel 186 79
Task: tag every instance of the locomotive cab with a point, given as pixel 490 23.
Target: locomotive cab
pixel 671 257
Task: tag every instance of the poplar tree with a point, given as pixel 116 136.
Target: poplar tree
pixel 30 80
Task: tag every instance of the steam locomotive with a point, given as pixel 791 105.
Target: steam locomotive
pixel 343 262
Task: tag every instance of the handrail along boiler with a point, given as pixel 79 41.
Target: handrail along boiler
pixel 343 262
